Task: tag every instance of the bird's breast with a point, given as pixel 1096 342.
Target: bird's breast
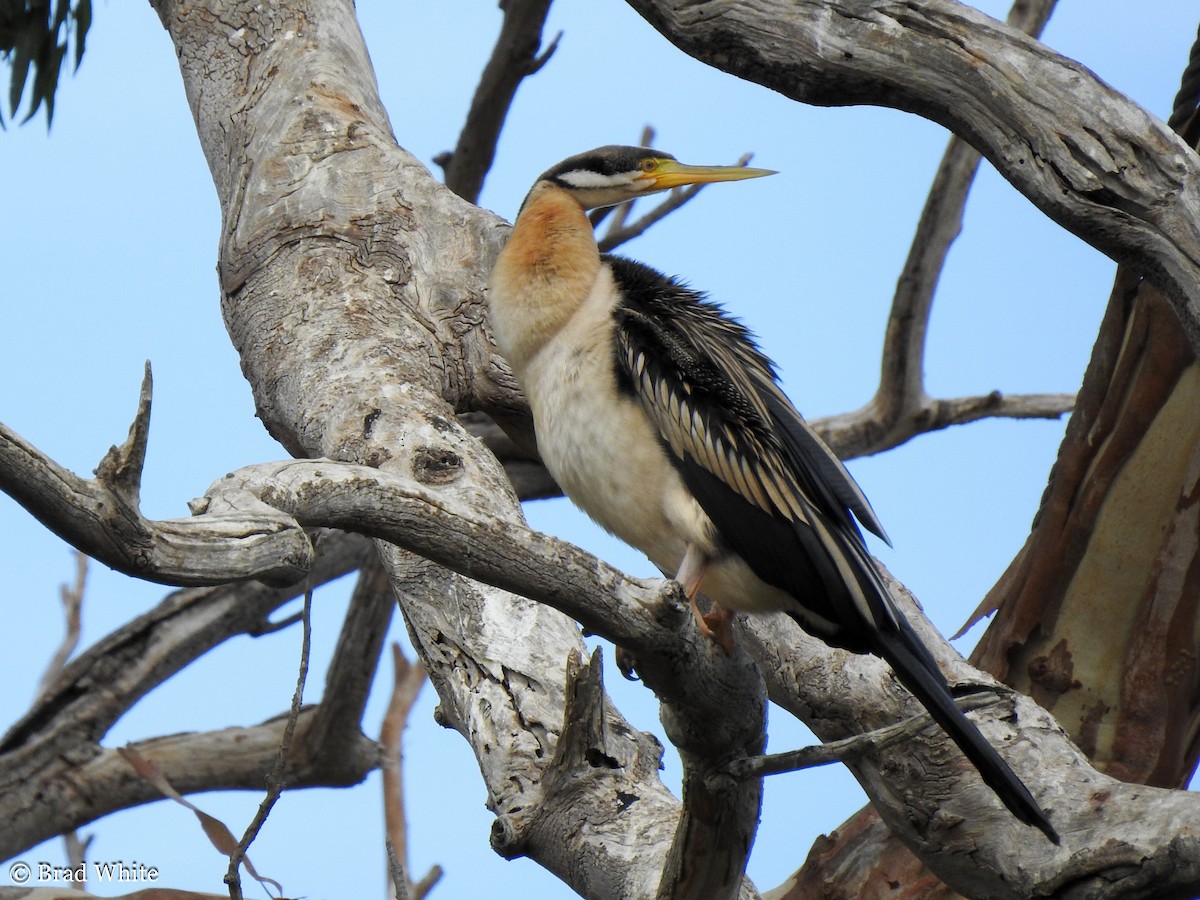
pixel 600 446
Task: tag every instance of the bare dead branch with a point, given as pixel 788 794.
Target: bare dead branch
pixel 901 409
pixel 514 58
pixel 72 601
pixel 396 871
pixel 719 818
pixel 1105 169
pixel 101 518
pixel 425 883
pixel 865 431
pixel 42 755
pixel 407 681
pixel 246 273
pixel 275 782
pixel 355 660
pixel 228 759
pixel 902 378
pixel 648 619
pixel 451 619
pixel 846 748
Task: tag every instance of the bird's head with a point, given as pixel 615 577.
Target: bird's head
pixel 610 175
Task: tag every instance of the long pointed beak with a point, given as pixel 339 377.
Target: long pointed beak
pixel 669 174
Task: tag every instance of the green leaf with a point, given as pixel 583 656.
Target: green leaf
pixel 20 70
pixel 45 82
pixel 83 21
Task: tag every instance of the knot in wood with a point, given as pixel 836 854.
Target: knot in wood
pixel 435 465
pixel 506 837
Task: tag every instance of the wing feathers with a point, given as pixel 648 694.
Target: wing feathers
pixel 742 446
pixel 778 496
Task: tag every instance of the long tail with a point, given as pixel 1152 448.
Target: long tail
pixel 914 667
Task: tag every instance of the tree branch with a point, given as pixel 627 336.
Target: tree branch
pixel 846 748
pixel 871 430
pixel 1099 165
pixel 407 681
pixel 72 601
pixel 43 759
pixel 654 625
pixel 392 288
pixel 101 518
pixel 355 660
pixel 514 58
pixel 901 409
pixel 275 781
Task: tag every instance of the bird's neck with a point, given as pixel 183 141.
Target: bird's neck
pixel 543 274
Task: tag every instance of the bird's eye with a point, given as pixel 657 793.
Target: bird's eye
pixel 649 165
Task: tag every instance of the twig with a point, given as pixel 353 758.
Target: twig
pixel 72 601
pixel 846 748
pixel 514 58
pixel 101 518
pixel 396 870
pixel 901 406
pixel 275 782
pixel 409 677
pixel 866 430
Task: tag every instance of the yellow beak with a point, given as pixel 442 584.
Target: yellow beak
pixel 669 173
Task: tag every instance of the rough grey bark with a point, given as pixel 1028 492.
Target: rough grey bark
pixel 352 286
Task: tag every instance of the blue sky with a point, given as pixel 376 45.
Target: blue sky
pixel 108 246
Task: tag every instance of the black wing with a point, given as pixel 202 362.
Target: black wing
pixel 776 493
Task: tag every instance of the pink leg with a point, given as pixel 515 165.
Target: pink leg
pixel 716 625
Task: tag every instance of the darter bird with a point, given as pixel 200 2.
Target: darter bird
pixel 661 419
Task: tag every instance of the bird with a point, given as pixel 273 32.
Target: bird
pixel 660 418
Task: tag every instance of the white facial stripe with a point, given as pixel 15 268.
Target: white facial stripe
pixel 581 178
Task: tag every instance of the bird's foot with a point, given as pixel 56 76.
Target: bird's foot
pixel 717 626
pixel 627 663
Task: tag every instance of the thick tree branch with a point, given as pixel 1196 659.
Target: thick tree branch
pixel 1098 165
pixel 229 759
pixel 356 323
pixel 634 615
pixel 805 677
pixel 901 409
